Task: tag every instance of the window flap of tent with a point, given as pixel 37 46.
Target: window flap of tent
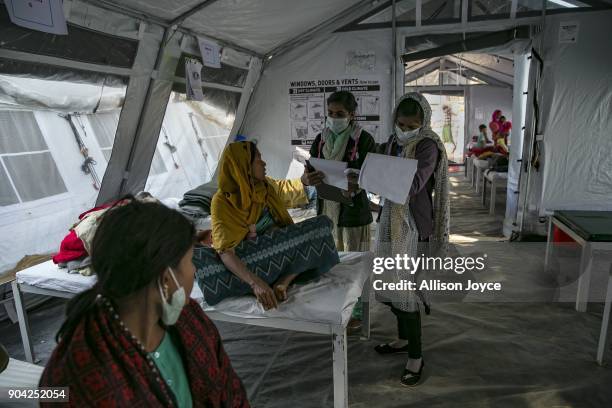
pixel 81 44
pixel 30 86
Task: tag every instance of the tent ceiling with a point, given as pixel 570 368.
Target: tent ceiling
pixel 257 25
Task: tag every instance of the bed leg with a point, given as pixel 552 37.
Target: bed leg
pixel 603 334
pixel 584 281
pixel 24 326
pixel 366 297
pixel 340 367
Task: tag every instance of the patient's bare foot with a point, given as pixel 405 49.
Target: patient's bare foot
pixel 282 285
pixel 280 290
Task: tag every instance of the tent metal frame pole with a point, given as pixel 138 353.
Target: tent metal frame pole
pixel 490 72
pixel 472 26
pixel 418 13
pixel 330 25
pixel 145 106
pixel 237 89
pixel 65 63
pixel 513 8
pixel 148 18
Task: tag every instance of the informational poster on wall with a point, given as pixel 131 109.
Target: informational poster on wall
pixel 307 105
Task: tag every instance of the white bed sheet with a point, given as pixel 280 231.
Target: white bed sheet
pixel 48 276
pixel 330 299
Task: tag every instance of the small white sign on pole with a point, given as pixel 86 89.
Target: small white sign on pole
pixel 193 76
pixel 211 53
pixel 40 15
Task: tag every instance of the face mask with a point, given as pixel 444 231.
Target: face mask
pixel 171 311
pixel 337 125
pixel 404 136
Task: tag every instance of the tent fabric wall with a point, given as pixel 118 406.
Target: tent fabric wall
pixel 38 226
pixel 576 104
pixel 267 118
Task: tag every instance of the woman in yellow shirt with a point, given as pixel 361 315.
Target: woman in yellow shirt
pixel 257 249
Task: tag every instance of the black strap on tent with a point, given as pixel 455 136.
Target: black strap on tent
pixel 470 42
pixel 535 158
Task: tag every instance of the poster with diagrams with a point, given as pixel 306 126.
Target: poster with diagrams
pixel 307 105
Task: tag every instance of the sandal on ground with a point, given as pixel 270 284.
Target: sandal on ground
pixel 388 349
pixel 410 378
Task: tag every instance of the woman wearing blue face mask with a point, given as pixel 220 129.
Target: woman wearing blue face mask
pixel 136 338
pixel 344 140
pixel 411 228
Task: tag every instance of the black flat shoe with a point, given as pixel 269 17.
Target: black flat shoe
pixel 388 349
pixel 411 379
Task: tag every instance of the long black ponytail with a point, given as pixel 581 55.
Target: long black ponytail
pixel 132 246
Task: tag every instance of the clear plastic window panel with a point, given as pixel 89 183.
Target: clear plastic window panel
pixel 8 194
pixel 430 79
pixel 191 141
pixel 28 169
pixel 34 176
pixel 20 133
pixel 104 126
pixel 485 9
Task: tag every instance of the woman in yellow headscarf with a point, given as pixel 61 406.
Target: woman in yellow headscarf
pixel 256 245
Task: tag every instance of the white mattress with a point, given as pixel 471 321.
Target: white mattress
pixel 330 299
pixel 48 276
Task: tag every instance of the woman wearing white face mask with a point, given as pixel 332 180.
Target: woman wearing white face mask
pixel 136 338
pixel 344 140
pixel 410 228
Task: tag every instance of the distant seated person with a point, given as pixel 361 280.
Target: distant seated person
pixel 257 249
pixel 136 338
pixel 482 143
pixel 504 130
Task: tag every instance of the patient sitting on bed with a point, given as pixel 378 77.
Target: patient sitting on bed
pixel 257 249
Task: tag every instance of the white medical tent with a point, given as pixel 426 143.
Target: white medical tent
pixel 100 112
